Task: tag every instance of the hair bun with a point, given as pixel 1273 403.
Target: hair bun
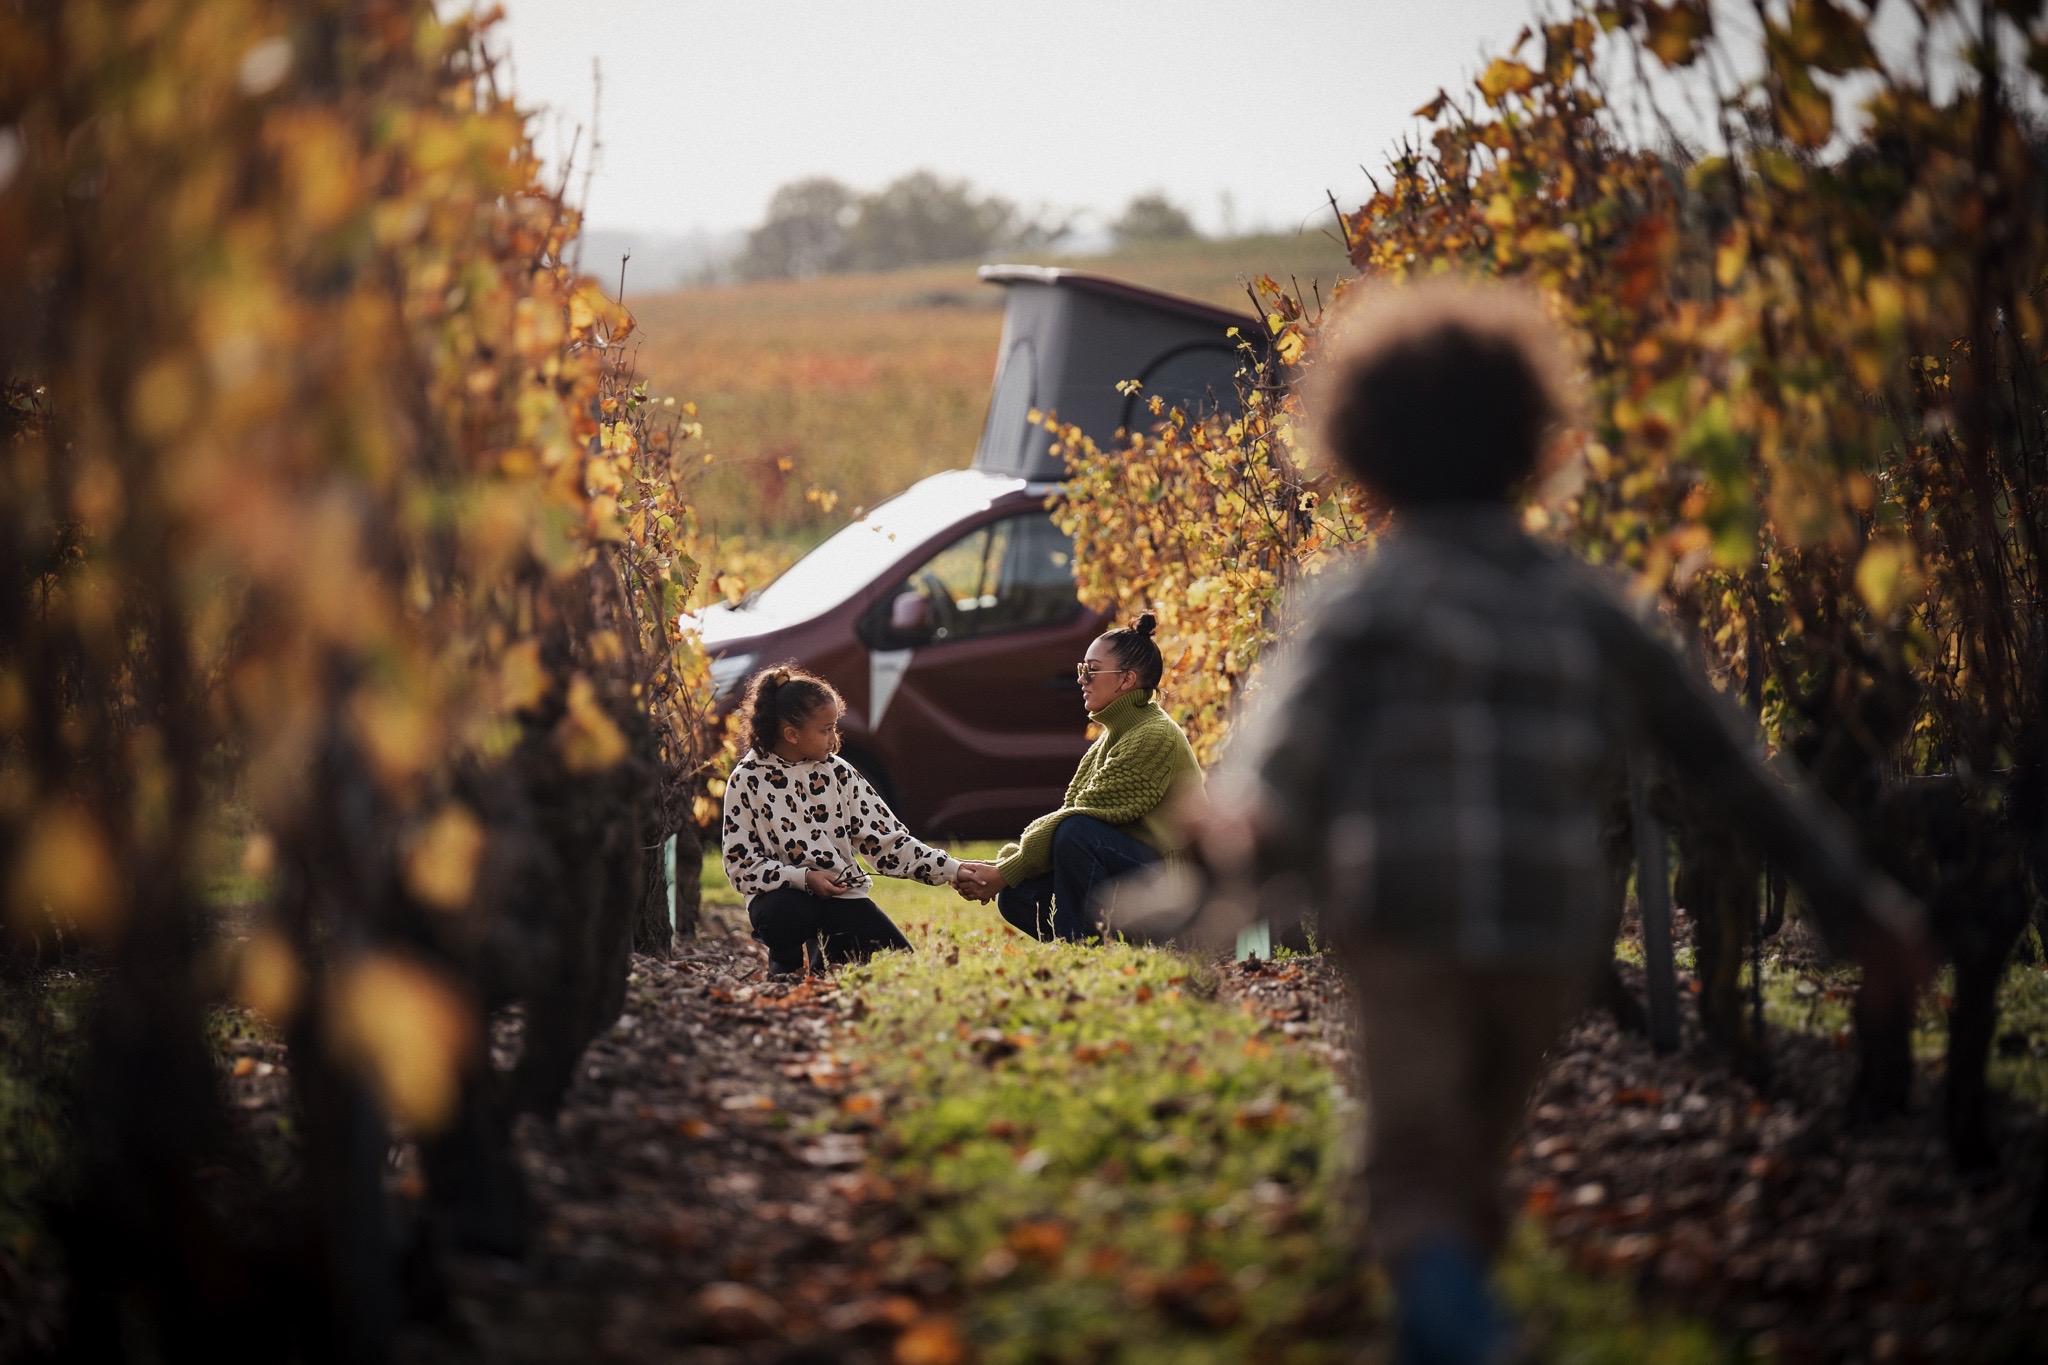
pixel 1147 623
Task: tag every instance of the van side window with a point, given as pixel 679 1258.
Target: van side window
pixel 1200 380
pixel 1008 575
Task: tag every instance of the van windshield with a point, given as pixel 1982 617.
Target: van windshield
pixel 857 554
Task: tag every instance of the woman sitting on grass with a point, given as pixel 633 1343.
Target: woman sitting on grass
pixel 796 814
pixel 1114 818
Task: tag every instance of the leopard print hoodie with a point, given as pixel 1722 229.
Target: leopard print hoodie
pixel 783 819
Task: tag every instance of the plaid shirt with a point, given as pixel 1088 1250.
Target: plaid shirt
pixel 1434 758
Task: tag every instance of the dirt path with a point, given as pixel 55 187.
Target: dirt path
pixel 704 1195
pixel 1761 1212
pixel 689 1210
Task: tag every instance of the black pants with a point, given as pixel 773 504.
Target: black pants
pixel 1086 855
pixel 790 921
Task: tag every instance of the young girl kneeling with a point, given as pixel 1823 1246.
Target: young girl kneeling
pixel 795 816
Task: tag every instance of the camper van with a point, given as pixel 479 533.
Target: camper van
pixel 947 616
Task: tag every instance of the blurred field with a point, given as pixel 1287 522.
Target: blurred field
pixel 863 384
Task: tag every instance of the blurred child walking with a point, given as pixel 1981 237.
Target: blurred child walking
pixel 796 816
pixel 1430 763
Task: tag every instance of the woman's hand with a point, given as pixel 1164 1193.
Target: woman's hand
pixel 820 883
pixel 978 881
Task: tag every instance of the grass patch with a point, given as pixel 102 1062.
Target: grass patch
pixel 1802 997
pixel 1105 1159
pixel 1818 1000
pixel 1110 1163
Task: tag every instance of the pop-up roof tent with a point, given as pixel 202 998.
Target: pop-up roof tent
pixel 1069 338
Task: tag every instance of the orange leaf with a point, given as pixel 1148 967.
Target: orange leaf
pixel 930 1341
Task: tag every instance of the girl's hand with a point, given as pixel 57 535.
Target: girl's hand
pixel 978 881
pixel 822 883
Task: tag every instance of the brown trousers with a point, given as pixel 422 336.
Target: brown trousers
pixel 1447 1055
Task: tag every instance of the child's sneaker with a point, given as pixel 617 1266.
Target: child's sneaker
pixel 1448 1315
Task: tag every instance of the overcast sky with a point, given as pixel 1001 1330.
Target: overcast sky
pixel 708 105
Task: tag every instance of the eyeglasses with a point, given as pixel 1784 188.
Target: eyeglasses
pixel 1085 670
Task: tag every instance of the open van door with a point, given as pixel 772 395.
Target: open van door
pixel 972 662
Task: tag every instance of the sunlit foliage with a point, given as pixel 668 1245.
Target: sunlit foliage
pixel 326 486
pixel 1815 423
pixel 1813 356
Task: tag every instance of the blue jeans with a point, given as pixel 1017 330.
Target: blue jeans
pixel 1085 854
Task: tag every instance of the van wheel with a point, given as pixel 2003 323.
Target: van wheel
pixel 872 771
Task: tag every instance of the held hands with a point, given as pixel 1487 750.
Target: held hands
pixel 978 881
pixel 820 883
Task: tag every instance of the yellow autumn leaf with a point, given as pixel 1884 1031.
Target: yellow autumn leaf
pixel 604 518
pixel 322 167
pixel 267 976
pixel 66 873
pixel 1888 576
pixel 440 867
pixel 588 738
pixel 537 327
pixel 1504 77
pixel 1731 257
pixel 522 682
pixel 1887 298
pixel 400 735
pixel 407 1030
pixel 1805 112
pixel 165 396
pixel 601 476
pixel 591 309
pixel 1675 31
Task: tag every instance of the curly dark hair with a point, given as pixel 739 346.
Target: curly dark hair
pixel 1439 392
pixel 1135 650
pixel 781 696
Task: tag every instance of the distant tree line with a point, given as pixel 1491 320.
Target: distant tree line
pixel 819 225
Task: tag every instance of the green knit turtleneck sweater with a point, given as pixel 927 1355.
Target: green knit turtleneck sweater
pixel 1140 757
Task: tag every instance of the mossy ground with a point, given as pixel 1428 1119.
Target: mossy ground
pixel 1109 1160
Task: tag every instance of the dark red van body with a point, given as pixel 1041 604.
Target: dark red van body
pixel 947 616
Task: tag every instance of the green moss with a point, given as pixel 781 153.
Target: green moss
pixel 1110 1163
